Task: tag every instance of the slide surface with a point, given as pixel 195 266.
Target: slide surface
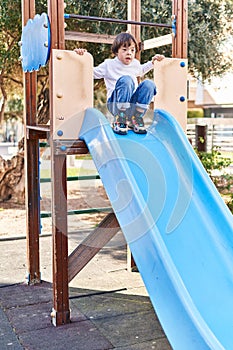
pixel 177 226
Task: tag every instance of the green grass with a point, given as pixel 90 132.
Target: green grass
pixel 46 173
pixel 83 157
pixel 80 171
pixel 227 155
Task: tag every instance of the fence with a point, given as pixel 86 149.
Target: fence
pixel 219 132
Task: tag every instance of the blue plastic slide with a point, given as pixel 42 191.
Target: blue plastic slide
pixel 177 226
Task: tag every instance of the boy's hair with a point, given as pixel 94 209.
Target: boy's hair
pixel 125 40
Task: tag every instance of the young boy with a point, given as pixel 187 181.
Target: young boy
pixel 126 100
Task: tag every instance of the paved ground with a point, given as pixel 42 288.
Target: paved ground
pixel 109 306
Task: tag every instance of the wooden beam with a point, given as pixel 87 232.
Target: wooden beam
pixel 28 10
pixel 180 41
pixel 156 42
pixel 89 37
pixel 134 14
pixel 37 132
pixel 70 147
pixel 79 258
pixel 32 194
pixel 61 312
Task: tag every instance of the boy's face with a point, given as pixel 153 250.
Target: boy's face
pixel 126 54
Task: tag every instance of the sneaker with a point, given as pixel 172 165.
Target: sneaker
pixel 130 124
pixel 120 124
pixel 137 124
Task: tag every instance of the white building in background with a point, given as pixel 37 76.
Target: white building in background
pixel 216 99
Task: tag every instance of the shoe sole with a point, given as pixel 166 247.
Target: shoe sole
pixel 140 132
pixel 120 132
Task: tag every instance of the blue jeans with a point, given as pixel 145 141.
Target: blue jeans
pixel 125 98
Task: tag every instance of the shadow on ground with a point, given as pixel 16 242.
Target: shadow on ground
pixel 99 320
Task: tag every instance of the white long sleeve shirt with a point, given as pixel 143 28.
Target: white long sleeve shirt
pixel 112 69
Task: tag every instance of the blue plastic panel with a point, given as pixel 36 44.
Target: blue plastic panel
pixel 35 43
pixel 178 227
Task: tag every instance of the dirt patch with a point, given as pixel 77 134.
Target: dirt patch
pixel 13 215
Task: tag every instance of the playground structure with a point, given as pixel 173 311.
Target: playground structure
pixel 64 267
pixel 175 222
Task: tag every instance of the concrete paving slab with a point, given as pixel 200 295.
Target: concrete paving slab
pixel 77 335
pixel 99 320
pixel 8 338
pixel 110 308
pixel 125 320
pixel 18 295
pixel 24 317
pixel 159 344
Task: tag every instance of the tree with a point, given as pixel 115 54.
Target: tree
pixel 10 73
pixel 210 27
pixel 210 24
pixel 11 88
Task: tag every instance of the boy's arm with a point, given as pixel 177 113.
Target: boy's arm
pixel 146 67
pixel 100 71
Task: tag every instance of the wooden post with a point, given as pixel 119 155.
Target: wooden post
pixel 32 192
pixel 201 137
pixel 180 41
pixel 61 312
pixel 134 14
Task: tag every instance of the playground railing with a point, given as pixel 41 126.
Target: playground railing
pixel 219 132
pixel 92 210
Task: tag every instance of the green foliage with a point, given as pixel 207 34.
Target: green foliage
pixel 10 26
pixel 209 24
pixel 110 9
pixel 15 105
pixel 11 75
pixel 209 27
pixel 226 188
pixel 214 161
pixel 195 113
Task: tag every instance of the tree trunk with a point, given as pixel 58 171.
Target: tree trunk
pixel 12 186
pixel 12 178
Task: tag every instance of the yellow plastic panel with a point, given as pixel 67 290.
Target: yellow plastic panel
pixel 171 81
pixel 72 92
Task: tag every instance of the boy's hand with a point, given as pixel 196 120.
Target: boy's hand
pixel 80 51
pixel 157 58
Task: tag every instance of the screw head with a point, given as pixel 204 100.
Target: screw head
pixel 59 133
pixel 59 94
pixel 182 98
pixel 59 56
